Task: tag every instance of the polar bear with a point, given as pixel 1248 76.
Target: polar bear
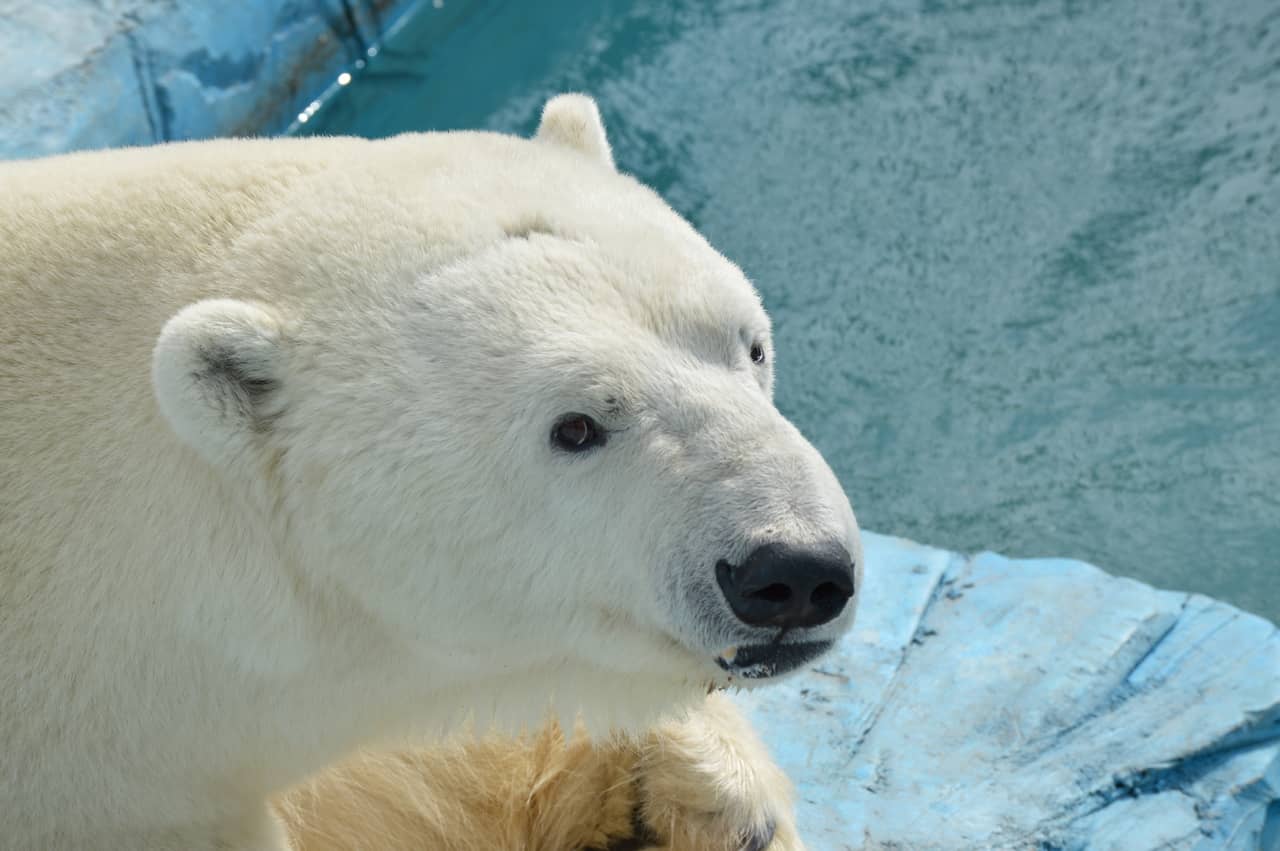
pixel 313 446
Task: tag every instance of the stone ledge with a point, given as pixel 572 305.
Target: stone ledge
pixel 990 703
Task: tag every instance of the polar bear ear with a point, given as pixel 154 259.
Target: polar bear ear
pixel 217 371
pixel 572 120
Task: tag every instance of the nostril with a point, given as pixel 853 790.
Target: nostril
pixel 775 593
pixel 828 595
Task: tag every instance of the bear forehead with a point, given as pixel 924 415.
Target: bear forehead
pixel 548 240
pixel 486 244
pixel 548 291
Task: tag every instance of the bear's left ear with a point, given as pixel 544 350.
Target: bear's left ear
pixel 572 120
pixel 217 372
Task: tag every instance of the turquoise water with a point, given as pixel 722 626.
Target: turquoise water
pixel 1023 257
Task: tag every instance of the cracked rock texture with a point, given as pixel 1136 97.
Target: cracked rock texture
pixel 989 703
pixel 105 73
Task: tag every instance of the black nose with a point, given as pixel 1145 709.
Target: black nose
pixel 785 586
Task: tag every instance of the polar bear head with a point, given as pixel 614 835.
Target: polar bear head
pixel 540 445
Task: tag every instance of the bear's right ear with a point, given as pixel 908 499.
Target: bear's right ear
pixel 217 370
pixel 573 121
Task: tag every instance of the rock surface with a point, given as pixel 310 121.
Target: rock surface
pixel 130 72
pixel 989 703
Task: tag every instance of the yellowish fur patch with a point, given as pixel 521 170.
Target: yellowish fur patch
pixel 702 782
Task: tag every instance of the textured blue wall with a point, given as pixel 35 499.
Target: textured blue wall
pixel 130 72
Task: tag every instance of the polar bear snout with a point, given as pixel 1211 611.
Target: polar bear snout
pixel 781 585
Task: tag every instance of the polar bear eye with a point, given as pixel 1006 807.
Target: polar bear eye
pixel 757 353
pixel 577 433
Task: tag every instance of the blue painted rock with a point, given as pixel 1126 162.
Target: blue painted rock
pixel 991 703
pixel 95 75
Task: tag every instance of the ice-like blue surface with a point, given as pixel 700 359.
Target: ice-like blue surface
pixel 988 703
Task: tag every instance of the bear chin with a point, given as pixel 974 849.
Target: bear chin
pixel 772 660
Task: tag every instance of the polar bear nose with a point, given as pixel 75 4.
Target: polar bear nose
pixel 787 586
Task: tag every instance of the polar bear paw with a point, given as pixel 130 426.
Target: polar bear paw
pixel 707 783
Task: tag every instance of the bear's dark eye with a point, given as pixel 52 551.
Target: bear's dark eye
pixel 757 353
pixel 577 433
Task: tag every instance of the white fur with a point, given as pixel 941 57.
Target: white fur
pixel 573 121
pixel 209 414
pixel 206 595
